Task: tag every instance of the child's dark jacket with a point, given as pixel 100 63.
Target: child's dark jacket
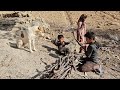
pixel 92 52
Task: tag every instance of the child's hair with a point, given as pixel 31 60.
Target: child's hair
pixel 60 36
pixel 90 35
pixel 82 18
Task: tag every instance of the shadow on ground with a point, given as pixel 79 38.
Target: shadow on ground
pixel 14 45
pixel 7 24
pixel 51 49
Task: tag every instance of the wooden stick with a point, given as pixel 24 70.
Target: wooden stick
pixel 76 39
pixel 65 73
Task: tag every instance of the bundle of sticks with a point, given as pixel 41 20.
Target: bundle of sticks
pixel 61 68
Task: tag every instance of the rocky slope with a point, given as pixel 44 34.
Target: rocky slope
pixel 16 63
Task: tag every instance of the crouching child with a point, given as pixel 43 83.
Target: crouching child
pixel 91 62
pixel 62 50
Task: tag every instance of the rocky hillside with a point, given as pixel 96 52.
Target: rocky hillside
pixel 19 63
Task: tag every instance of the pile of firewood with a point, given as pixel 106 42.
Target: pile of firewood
pixel 61 68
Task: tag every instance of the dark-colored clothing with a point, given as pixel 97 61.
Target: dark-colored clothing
pixel 92 52
pixel 61 47
pixel 91 59
pixel 88 66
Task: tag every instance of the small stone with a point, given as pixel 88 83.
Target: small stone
pixel 117 57
pixel 115 65
pixel 98 26
pixel 107 58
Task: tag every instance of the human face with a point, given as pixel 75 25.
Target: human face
pixel 62 40
pixel 88 40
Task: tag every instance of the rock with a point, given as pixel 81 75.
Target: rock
pixel 15 29
pixel 48 37
pixel 113 37
pixel 7 22
pixel 98 26
pixel 26 15
pixel 115 23
pixel 107 58
pixel 117 57
pixel 16 14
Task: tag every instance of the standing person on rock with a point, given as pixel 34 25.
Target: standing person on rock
pixel 81 30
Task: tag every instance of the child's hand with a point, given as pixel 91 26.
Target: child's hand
pixel 67 43
pixel 63 43
pixel 83 47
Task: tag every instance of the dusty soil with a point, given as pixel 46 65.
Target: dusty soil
pixel 21 64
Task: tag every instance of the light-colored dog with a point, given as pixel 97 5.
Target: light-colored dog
pixel 26 36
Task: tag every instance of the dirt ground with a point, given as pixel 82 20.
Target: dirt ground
pixel 21 64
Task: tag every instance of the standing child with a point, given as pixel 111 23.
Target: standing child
pixel 81 30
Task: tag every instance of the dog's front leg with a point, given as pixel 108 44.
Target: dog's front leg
pixel 33 42
pixel 30 46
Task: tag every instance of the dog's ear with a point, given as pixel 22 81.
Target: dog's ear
pixel 22 35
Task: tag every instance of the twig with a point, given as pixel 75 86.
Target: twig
pixel 60 69
pixel 76 39
pixel 118 70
